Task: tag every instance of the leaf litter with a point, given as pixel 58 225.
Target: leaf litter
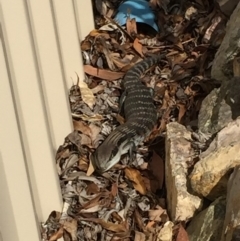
pixel 129 201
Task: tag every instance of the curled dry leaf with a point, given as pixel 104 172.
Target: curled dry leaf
pixel 86 93
pixel 138 46
pixel 137 180
pixel 102 73
pixel 90 169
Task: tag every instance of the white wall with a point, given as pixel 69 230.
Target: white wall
pixel 39 53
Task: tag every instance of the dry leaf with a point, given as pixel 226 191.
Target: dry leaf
pixel 158 214
pixel 85 140
pixel 97 89
pixel 138 46
pixel 135 176
pixel 182 234
pixel 116 228
pixel 103 73
pixel 96 33
pixel 182 111
pixel 57 235
pixel 95 130
pixel 70 226
pixel 139 236
pixel 90 168
pixel 131 26
pixel 86 93
pixel 92 188
pixel 82 127
pixel 114 189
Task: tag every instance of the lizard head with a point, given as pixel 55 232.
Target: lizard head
pixel 108 154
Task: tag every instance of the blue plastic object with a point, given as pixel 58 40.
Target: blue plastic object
pixel 138 9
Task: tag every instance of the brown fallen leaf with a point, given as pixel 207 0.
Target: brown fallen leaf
pixel 139 220
pixel 158 214
pixel 182 111
pixel 92 188
pixel 139 236
pixel 131 26
pixel 85 140
pixel 114 189
pixel 116 228
pixel 86 93
pixel 95 130
pixel 97 89
pixel 137 180
pixel 82 127
pixel 102 73
pixel 138 46
pixel 91 168
pixel 182 234
pixel 57 235
pixel 70 225
pixel 97 33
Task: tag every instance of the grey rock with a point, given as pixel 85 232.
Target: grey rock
pixel 207 225
pixel 231 230
pixel 222 65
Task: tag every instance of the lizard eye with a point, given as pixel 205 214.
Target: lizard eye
pixel 114 152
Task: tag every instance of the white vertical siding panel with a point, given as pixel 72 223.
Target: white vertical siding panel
pixel 68 39
pixel 34 127
pixel 84 17
pixel 50 69
pixel 17 214
pixel 42 53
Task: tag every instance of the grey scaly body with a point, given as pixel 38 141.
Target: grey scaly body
pixel 140 114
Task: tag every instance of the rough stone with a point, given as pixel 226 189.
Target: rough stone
pixel 210 174
pixel 207 225
pixel 231 228
pixel 230 47
pixel 182 205
pixel 220 107
pixel 227 6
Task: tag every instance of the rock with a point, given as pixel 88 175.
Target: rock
pixel 220 107
pixel 227 6
pixel 210 174
pixel 181 204
pixel 207 225
pixel 230 47
pixel 231 228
